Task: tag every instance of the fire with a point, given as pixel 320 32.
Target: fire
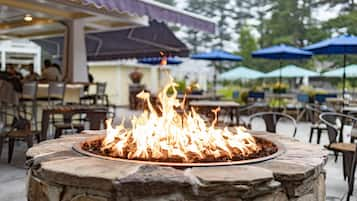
pixel 175 136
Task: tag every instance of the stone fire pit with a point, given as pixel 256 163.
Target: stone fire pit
pixel 57 173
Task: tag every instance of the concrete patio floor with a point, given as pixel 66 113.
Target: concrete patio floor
pixel 13 176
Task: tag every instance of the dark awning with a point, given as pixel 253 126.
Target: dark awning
pixel 131 43
pixel 152 9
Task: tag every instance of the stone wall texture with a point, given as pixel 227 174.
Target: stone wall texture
pixel 57 173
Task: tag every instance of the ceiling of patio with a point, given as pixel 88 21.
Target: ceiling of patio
pixel 47 17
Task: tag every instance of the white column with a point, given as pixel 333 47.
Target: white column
pixel 155 82
pixel 3 60
pixel 74 54
pixel 37 63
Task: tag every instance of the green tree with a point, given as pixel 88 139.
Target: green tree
pixel 247 44
pixel 229 16
pixel 291 22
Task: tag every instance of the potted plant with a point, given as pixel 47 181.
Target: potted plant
pixel 136 76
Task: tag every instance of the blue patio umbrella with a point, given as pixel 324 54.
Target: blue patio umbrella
pixel 281 52
pixel 217 55
pixel 291 71
pixel 240 73
pixel 157 60
pixel 344 44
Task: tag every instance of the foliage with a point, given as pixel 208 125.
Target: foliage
pixel 280 87
pixel 247 44
pixel 181 86
pixel 227 92
pixel 348 85
pixel 275 102
pixel 311 92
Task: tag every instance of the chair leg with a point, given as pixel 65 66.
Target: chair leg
pixel 29 140
pixel 58 133
pixel 318 136
pixel 311 133
pixel 106 100
pixel 38 139
pixel 34 114
pixel 336 156
pixel 11 149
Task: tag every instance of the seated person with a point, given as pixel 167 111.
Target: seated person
pixel 32 76
pixel 50 72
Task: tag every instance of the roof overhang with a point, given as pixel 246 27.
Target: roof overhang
pixel 98 15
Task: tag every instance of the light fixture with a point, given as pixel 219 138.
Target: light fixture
pixel 27 18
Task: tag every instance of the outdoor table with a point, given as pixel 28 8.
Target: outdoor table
pixel 197 97
pixel 229 106
pixel 72 92
pixel 65 110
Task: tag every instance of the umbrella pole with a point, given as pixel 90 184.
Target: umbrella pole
pixel 214 80
pixel 344 78
pixel 280 80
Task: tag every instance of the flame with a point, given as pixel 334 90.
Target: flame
pixel 173 136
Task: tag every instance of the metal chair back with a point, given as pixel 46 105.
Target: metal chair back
pixel 335 123
pixel 101 87
pixel 56 90
pixel 271 120
pixel 29 90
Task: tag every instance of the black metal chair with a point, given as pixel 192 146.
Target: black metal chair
pixel 100 95
pixel 20 129
pixel 56 92
pixel 313 112
pixel 271 120
pixel 354 130
pixel 29 95
pixel 335 123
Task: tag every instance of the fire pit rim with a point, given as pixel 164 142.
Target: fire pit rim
pixel 281 150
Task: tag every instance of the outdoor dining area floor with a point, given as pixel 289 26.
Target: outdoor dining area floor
pixel 13 176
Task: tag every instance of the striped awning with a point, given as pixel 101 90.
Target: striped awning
pixel 152 9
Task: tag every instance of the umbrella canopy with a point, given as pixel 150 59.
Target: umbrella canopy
pixel 281 52
pixel 217 55
pixel 139 42
pixel 351 71
pixel 344 44
pixel 158 60
pixel 291 71
pixel 240 73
